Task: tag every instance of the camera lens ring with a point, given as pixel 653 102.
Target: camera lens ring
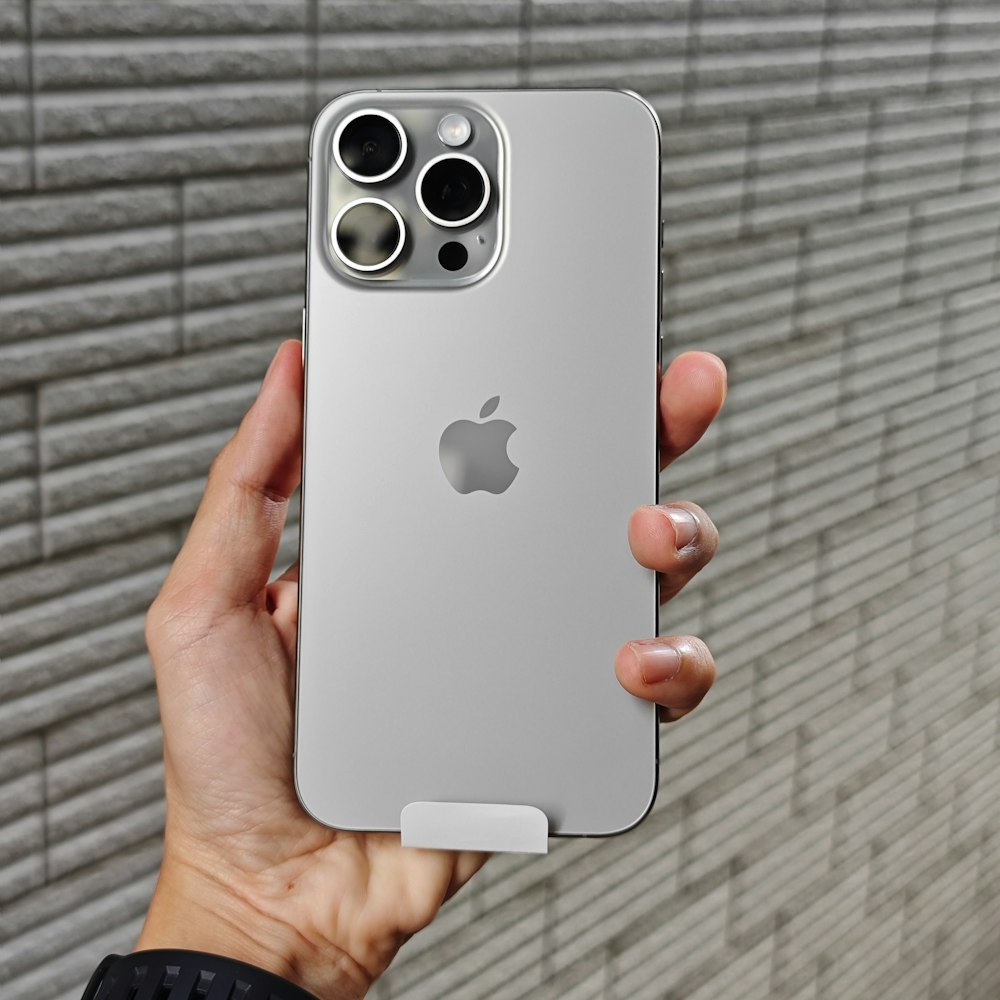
pixel 335 243
pixel 338 135
pixel 452 224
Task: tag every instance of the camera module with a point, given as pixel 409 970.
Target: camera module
pixel 369 146
pixel 453 189
pixel 368 234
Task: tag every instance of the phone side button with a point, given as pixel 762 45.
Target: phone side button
pixel 659 322
pixel 303 331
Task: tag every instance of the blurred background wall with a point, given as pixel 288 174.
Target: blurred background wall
pixel 829 822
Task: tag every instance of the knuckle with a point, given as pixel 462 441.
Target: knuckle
pixel 157 616
pixel 708 534
pixel 701 659
pixel 709 674
pixel 215 468
pixel 698 649
pixel 711 534
pixel 179 617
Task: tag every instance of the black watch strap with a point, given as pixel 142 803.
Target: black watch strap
pixel 173 974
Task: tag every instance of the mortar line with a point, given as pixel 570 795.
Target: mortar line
pixel 32 127
pixel 968 141
pixel 181 266
pixel 936 35
pixel 748 194
pixel 872 129
pixel 692 47
pixel 45 805
pixel 36 421
pixel 823 69
pixel 525 24
pixel 312 62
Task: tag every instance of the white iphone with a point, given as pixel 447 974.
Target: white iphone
pixel 481 353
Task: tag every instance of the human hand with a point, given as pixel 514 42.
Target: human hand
pixel 676 539
pixel 246 872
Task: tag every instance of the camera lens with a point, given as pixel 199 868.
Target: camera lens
pixel 369 146
pixel 453 189
pixel 368 234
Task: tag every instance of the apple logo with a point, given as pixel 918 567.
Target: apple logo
pixel 474 455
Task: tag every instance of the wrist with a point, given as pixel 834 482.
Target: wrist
pixel 185 975
pixel 194 911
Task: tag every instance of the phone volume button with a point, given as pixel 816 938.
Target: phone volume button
pixel 659 321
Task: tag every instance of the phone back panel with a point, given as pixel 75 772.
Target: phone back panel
pixel 460 647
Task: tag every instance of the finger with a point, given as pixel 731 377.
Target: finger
pixel 676 539
pixel 230 549
pixel 282 594
pixel 281 601
pixel 291 574
pixel 675 672
pixel 692 391
pixel 467 863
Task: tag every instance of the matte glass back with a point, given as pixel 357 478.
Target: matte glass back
pixel 459 646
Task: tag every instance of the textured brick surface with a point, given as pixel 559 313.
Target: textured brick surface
pixel 829 821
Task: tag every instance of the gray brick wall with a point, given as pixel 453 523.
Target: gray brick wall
pixel 829 825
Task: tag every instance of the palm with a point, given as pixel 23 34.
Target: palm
pixel 230 786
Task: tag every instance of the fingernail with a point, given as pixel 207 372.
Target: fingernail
pixel 685 525
pixel 658 661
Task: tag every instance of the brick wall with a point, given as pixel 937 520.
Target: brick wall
pixel 829 825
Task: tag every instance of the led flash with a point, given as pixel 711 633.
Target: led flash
pixel 454 130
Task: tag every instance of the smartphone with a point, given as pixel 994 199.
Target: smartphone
pixel 481 349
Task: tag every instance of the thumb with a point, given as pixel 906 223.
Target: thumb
pixel 231 547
